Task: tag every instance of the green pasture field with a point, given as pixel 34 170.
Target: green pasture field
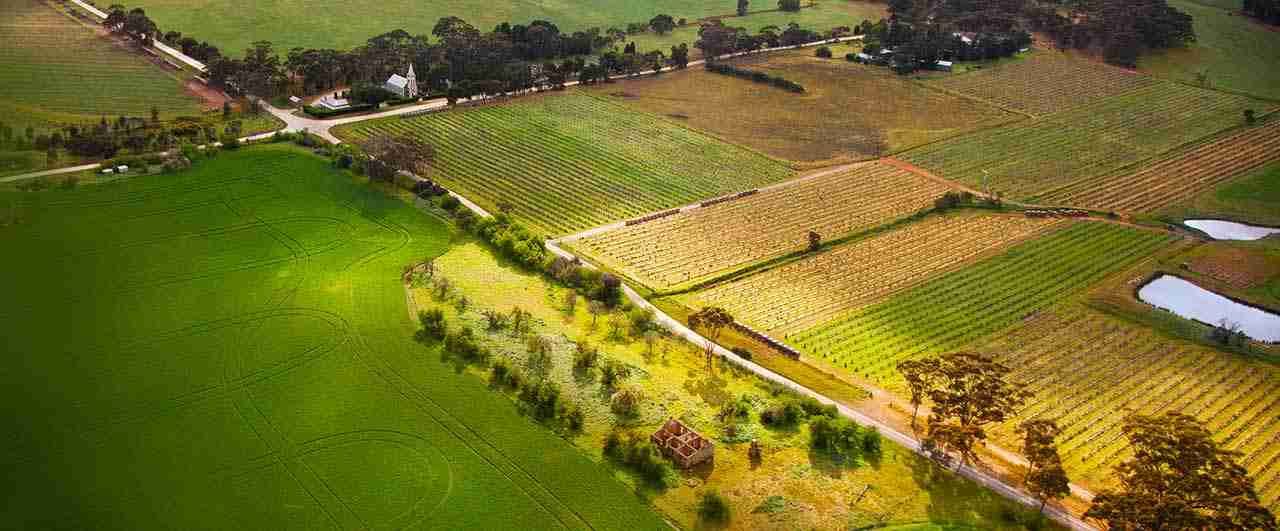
pixel 848 112
pixel 570 162
pixel 950 311
pixel 230 347
pixel 58 71
pixel 1254 198
pixel 1234 52
pixel 905 489
pixel 233 26
pixel 1038 156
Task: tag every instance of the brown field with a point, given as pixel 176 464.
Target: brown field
pixel 815 289
pixel 701 242
pixel 846 113
pixel 1177 176
pixel 1044 82
pixel 1238 267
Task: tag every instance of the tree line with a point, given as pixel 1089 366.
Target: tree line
pixel 1120 29
pixel 755 75
pixel 1265 10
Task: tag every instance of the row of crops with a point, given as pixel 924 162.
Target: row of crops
pixel 56 70
pixel 950 311
pixel 866 271
pixel 1039 155
pixel 1045 82
pixel 1176 177
pixel 570 162
pixel 1089 371
pixel 703 241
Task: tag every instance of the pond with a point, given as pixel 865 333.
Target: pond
pixel 1230 230
pixel 1194 302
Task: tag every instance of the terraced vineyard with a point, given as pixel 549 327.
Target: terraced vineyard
pixel 952 310
pixel 812 290
pixel 1045 82
pixel 1177 176
pixel 1088 371
pixel 701 242
pixel 569 162
pixel 1040 155
pixel 57 71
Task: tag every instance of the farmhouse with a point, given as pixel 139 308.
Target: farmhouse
pixel 333 103
pixel 403 86
pixel 682 445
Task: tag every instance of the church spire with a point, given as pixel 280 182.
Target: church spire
pixel 411 74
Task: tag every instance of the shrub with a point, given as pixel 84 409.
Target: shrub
pixel 626 401
pixel 739 409
pixel 464 345
pixel 841 438
pixel 741 352
pixel 499 371
pixel 433 324
pixel 612 372
pixel 230 142
pixel 574 418
pixel 542 398
pixel 712 507
pixel 788 414
pixel 823 52
pixel 639 455
pixel 586 356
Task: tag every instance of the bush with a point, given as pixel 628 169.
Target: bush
pixel 713 507
pixel 639 455
pixel 230 142
pixel 464 345
pixel 823 52
pixel 499 371
pixel 626 401
pixel 741 352
pixel 574 418
pixel 788 414
pixel 433 324
pixel 542 398
pixel 841 438
pixel 612 372
pixel 586 356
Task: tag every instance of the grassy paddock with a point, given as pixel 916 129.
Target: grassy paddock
pixel 567 162
pixel 242 357
pixel 58 71
pixel 676 383
pixel 1233 51
pixel 848 112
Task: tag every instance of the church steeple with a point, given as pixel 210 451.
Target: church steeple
pixel 412 86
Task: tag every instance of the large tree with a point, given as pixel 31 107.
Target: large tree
pixel 1045 479
pixel 1179 478
pixel 390 154
pixel 711 321
pixel 662 24
pixel 971 393
pixel 921 376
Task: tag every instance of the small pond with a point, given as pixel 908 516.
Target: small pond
pixel 1194 302
pixel 1230 230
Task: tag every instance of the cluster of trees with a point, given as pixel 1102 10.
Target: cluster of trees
pixel 1265 10
pixel 755 75
pixel 638 454
pixel 1178 478
pixel 107 138
pixel 1120 29
pixel 921 45
pixel 715 38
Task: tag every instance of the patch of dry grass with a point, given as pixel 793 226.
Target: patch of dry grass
pixel 849 111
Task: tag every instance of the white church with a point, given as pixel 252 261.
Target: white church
pixel 403 86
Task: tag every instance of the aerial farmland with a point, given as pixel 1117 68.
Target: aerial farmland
pixel 740 265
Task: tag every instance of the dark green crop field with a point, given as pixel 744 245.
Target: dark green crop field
pixel 229 348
